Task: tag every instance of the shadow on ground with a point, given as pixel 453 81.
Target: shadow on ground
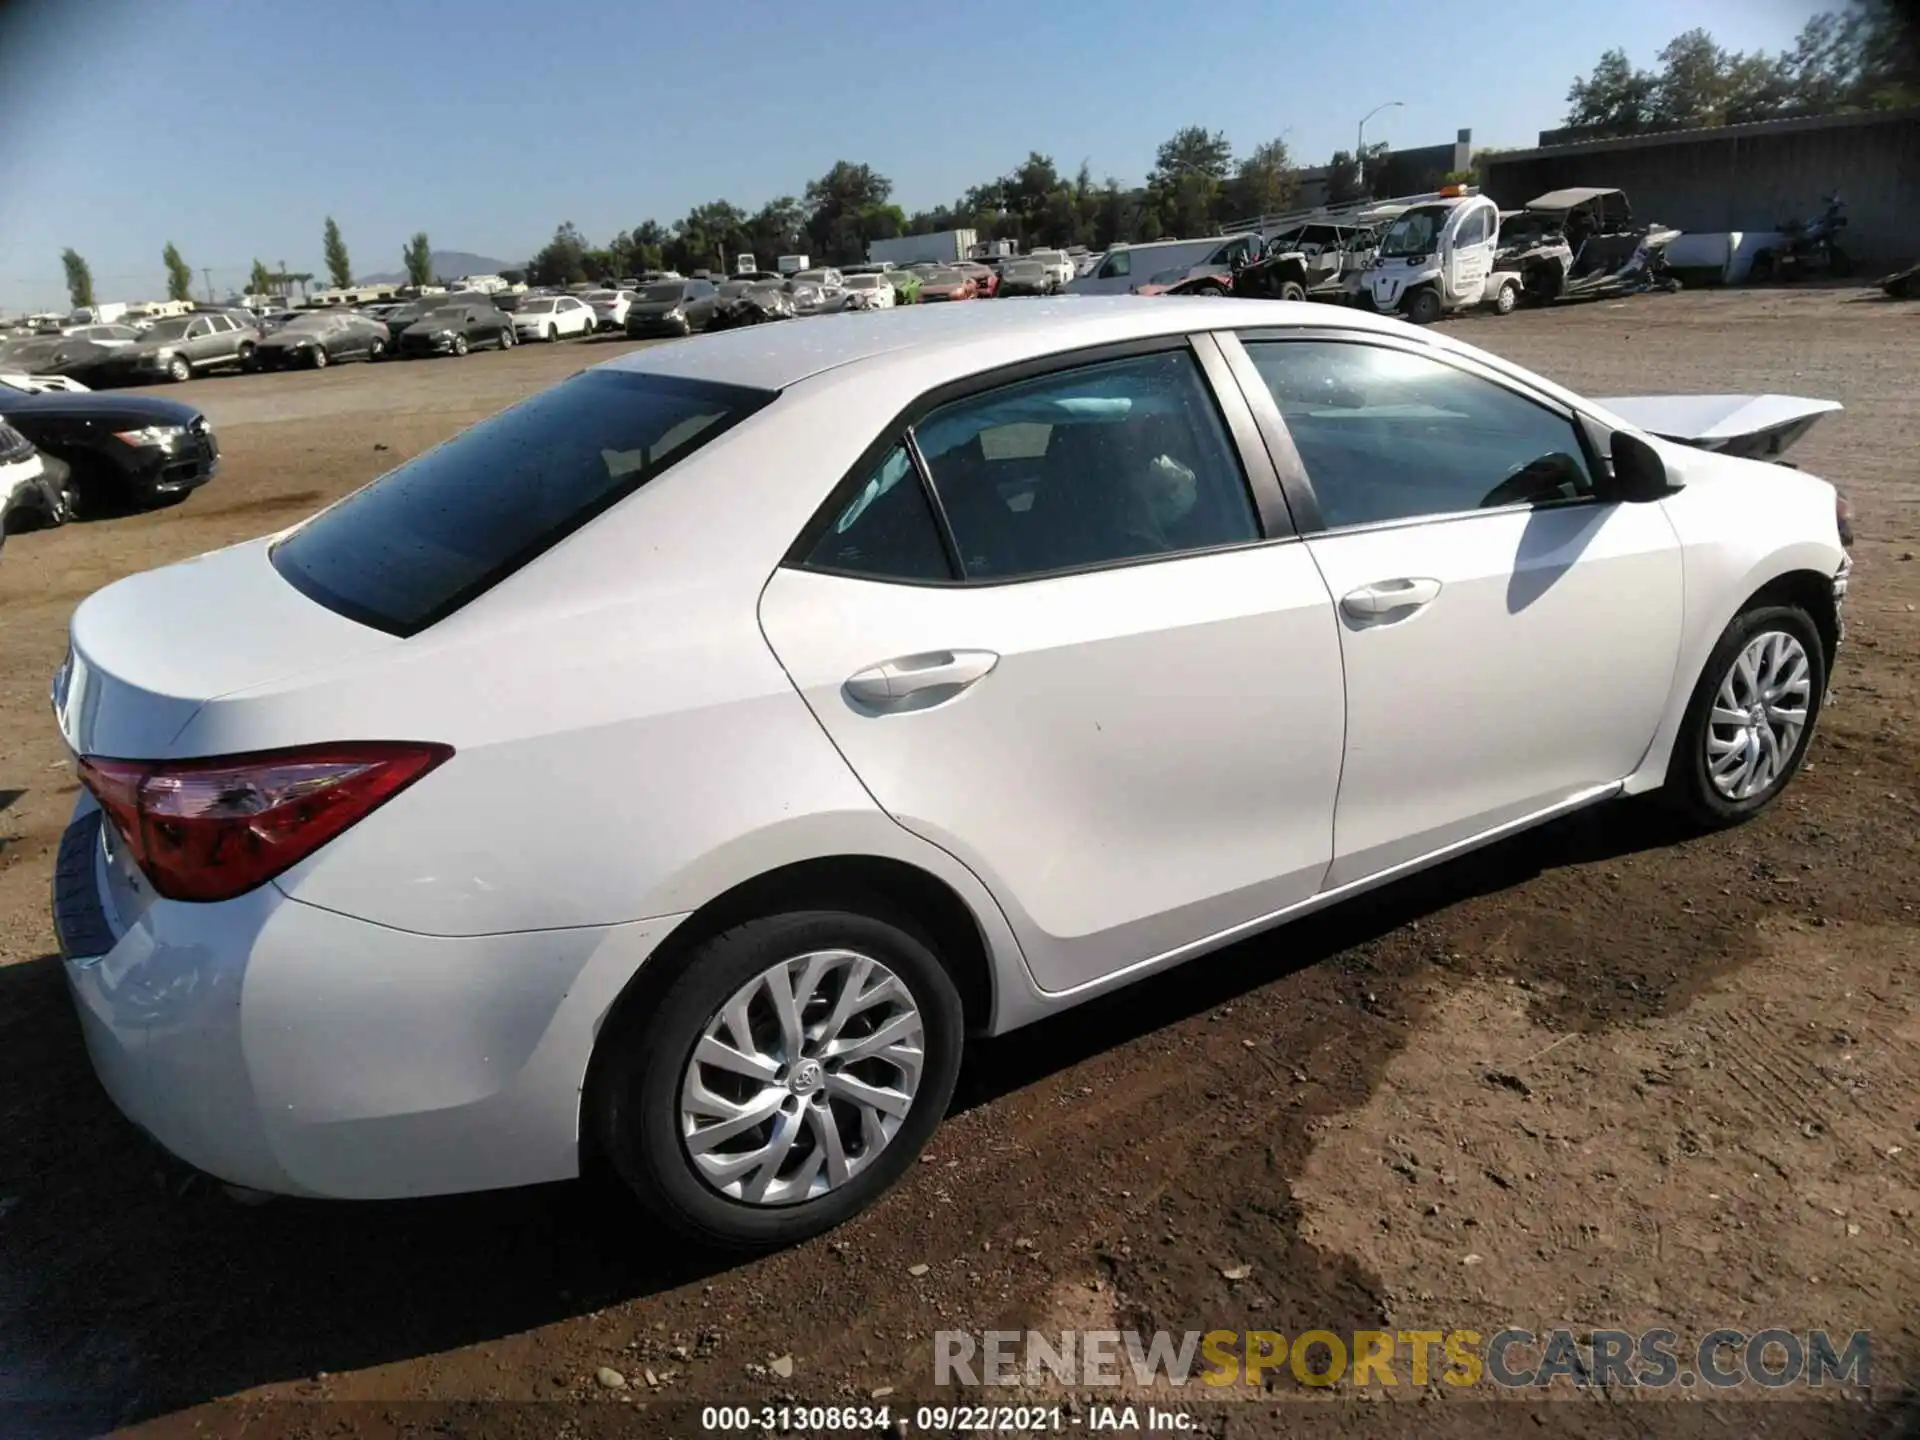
pixel 130 1289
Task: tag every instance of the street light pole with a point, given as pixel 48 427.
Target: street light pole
pixel 1360 142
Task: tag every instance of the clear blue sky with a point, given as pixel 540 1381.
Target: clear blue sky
pixel 232 127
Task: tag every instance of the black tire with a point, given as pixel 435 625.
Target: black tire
pixel 1506 298
pixel 553 334
pixel 320 358
pixel 376 350
pixel 246 355
pixel 179 369
pixel 634 1094
pixel 1292 290
pixel 506 337
pixel 1689 789
pixel 1765 267
pixel 460 346
pixel 1423 306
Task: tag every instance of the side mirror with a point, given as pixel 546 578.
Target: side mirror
pixel 1639 474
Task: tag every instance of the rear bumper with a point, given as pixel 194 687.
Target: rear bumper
pixel 287 1048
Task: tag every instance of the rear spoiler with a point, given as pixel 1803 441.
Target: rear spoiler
pixel 1751 427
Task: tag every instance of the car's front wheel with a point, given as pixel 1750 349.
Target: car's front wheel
pixel 1423 305
pixel 179 368
pixel 1751 716
pixel 785 1077
pixel 506 338
pixel 460 346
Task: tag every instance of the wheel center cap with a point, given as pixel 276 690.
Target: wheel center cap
pixel 806 1077
pixel 1757 716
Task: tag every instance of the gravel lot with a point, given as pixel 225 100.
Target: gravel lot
pixel 1600 1076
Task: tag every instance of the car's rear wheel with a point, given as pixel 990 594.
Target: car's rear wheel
pixel 506 337
pixel 783 1079
pixel 553 334
pixel 375 350
pixel 179 368
pixel 1750 718
pixel 1506 298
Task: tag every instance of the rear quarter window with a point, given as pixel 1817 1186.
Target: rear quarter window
pixel 423 540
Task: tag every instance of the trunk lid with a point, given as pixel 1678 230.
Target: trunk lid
pixel 146 653
pixel 1749 427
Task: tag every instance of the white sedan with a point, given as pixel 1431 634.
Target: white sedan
pixel 679 764
pixel 549 317
pixel 868 292
pixel 609 307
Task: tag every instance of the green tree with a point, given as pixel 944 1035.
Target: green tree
pixel 777 228
pixel 1692 88
pixel 339 268
pixel 417 257
pixel 79 277
pixel 1865 56
pixel 1265 183
pixel 707 236
pixel 260 282
pixel 562 260
pixel 1187 183
pixel 846 208
pixel 179 274
pixel 1615 99
pixel 1344 184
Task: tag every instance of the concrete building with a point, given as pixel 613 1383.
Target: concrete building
pixel 1745 177
pixel 1409 172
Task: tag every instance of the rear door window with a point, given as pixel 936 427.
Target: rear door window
pixel 1121 461
pixel 423 540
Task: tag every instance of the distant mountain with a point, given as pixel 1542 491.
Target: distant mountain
pixel 450 263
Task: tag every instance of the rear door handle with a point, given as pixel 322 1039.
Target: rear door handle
pixel 1389 597
pixel 892 681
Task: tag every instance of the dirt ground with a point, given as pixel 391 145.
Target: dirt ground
pixel 1604 1076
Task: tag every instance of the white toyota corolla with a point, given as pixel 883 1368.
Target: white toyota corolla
pixel 675 766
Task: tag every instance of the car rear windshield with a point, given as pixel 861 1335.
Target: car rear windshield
pixel 421 541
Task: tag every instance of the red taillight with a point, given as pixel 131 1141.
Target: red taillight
pixel 215 828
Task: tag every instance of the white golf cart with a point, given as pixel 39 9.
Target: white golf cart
pixel 1436 258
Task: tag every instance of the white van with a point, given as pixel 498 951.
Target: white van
pixel 1438 258
pixel 1128 266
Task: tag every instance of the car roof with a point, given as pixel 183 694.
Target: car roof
pixel 773 357
pixel 1567 199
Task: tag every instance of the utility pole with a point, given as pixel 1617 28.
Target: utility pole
pixel 206 273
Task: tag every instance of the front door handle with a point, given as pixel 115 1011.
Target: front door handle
pixel 934 676
pixel 1389 597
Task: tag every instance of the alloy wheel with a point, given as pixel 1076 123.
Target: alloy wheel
pixel 801 1078
pixel 1759 715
